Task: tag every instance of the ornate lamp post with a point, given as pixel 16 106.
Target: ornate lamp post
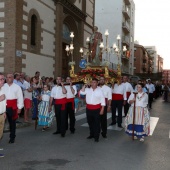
pixel 118 51
pixel 87 54
pixel 70 48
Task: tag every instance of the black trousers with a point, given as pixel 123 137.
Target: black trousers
pixel 117 104
pixel 71 115
pixel 103 121
pixel 60 119
pixel 93 119
pixel 126 108
pixel 12 123
pixel 150 100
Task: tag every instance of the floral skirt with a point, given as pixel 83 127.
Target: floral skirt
pixel 45 118
pixel 142 122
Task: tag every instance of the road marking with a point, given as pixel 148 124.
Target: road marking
pixel 153 123
pixel 79 117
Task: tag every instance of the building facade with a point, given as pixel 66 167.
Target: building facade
pixel 34 33
pixel 160 64
pixel 118 16
pixel 166 76
pixel 152 51
pixel 142 61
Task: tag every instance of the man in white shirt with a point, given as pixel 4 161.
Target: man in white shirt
pixel 108 98
pixel 14 97
pixel 129 90
pixel 95 107
pixel 58 93
pixel 151 89
pixel 2 107
pixel 118 100
pixel 71 92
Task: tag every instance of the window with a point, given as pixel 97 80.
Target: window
pixel 33 29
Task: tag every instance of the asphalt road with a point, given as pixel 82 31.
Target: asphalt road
pixel 37 150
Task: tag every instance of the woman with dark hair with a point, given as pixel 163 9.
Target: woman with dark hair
pixel 35 97
pixel 141 125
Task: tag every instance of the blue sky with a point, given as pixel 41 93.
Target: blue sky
pixel 152 26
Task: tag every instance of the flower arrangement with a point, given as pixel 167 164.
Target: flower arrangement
pixel 94 73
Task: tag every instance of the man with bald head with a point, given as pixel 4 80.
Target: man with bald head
pixel 14 104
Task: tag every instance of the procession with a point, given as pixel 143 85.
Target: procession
pixel 46 101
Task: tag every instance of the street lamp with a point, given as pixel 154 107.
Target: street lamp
pixel 70 48
pixel 118 51
pixel 86 54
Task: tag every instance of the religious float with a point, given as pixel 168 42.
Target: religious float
pixel 91 63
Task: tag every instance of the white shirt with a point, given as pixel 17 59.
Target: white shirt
pixel 128 87
pixel 94 97
pixel 57 92
pixel 46 96
pixel 141 99
pixel 14 92
pixel 2 103
pixel 69 92
pixel 27 95
pixel 120 89
pixel 107 91
pixel 150 87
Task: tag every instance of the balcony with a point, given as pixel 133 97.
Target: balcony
pixel 127 2
pixel 144 65
pixel 126 12
pixel 126 40
pixel 126 26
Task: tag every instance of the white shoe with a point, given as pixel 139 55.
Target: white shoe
pixel 142 139
pixel 1 149
pixel 135 137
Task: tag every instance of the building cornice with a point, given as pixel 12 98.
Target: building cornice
pixel 71 8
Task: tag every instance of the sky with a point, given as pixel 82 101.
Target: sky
pixel 152 26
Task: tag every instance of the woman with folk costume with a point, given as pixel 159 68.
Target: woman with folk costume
pixel 140 125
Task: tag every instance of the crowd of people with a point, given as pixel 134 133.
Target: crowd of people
pixel 48 99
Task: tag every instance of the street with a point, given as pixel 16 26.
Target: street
pixel 37 150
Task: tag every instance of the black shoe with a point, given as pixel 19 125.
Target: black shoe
pixel 113 123
pixel 12 141
pixel 55 133
pixel 104 135
pixel 63 135
pixel 120 126
pixel 96 139
pixel 72 132
pixel 90 137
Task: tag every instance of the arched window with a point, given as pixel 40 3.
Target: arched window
pixel 33 29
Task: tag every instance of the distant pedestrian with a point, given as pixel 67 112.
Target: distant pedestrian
pixel 141 126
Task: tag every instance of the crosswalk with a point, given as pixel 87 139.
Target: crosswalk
pixel 153 122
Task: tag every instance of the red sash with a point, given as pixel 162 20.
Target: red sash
pixel 71 100
pixel 13 104
pixel 93 107
pixel 117 96
pixel 128 94
pixel 62 101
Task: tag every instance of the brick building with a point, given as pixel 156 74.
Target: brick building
pixel 160 64
pixel 166 76
pixel 142 60
pixel 34 33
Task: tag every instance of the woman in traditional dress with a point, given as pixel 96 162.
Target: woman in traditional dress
pixel 45 117
pixel 35 97
pixel 141 126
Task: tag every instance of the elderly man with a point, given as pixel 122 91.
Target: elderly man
pixel 2 107
pixel 14 97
